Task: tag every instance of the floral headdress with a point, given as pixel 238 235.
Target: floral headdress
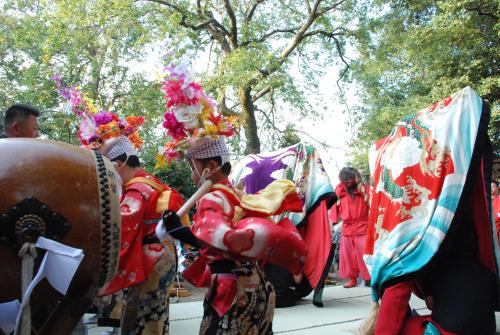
pixel 96 127
pixel 190 115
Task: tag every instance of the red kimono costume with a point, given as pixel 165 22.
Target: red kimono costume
pixel 393 316
pixel 353 211
pixel 241 300
pixel 496 214
pixel 145 266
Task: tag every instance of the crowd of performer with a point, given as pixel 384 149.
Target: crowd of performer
pixel 235 237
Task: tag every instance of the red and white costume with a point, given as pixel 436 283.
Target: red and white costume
pixel 139 215
pixel 233 230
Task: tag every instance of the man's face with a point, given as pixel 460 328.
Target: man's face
pixel 25 128
pixel 120 168
pixel 196 167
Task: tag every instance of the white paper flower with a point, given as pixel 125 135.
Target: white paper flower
pixel 188 115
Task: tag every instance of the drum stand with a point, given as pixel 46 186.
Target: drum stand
pixel 20 227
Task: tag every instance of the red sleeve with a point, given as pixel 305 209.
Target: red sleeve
pixel 250 237
pixel 334 214
pixel 214 203
pixel 393 308
pixel 132 208
pixel 130 264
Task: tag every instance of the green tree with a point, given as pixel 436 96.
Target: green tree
pixel 252 43
pixel 413 53
pixel 290 137
pixel 178 176
pixel 90 43
pixel 94 44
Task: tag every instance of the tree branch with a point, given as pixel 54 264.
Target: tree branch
pixel 214 27
pixel 315 8
pixel 198 26
pixel 480 12
pixel 261 93
pixel 330 34
pixel 271 123
pixel 308 5
pixel 269 34
pixel 219 33
pixel 223 109
pixel 302 34
pixel 168 4
pixel 184 16
pixel 219 25
pixel 295 12
pixel 342 57
pixel 323 144
pixel 329 8
pixel 299 36
pixel 221 38
pixel 249 17
pixel 234 24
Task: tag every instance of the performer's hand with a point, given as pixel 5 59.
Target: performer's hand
pixel 171 220
pixel 298 278
pixel 429 302
pixel 173 227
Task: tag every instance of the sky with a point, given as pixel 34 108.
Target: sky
pixel 333 127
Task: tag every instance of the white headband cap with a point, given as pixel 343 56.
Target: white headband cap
pixel 118 146
pixel 207 147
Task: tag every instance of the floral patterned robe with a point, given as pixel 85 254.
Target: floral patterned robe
pixel 236 232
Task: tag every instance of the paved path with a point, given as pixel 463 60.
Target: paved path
pixel 344 310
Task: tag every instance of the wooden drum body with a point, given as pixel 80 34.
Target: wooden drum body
pixel 78 188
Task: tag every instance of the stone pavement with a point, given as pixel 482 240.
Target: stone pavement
pixel 343 312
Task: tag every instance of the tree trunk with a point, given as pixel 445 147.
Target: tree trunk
pixel 249 121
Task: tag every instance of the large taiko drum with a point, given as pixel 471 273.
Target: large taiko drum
pixel 67 194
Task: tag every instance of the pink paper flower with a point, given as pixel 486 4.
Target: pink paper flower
pixel 175 129
pixel 177 93
pixel 171 154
